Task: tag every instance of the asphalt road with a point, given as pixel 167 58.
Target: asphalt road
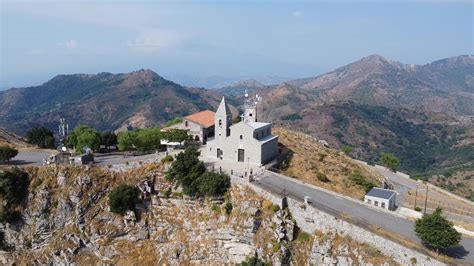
pixel 360 213
pixel 403 185
pixel 31 157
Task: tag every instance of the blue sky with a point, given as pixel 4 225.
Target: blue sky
pixel 190 41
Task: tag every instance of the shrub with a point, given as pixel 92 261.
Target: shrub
pixel 13 186
pixel 166 193
pixel 7 153
pixel 253 261
pixel 167 159
pixel 418 209
pixel 215 208
pixel 213 184
pixel 123 198
pixel 322 156
pixel 228 208
pixel 360 180
pixel 304 237
pixel 41 136
pixel 13 191
pixel 276 247
pixel 275 207
pixel 322 177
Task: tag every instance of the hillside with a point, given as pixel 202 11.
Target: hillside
pixel 105 101
pixel 239 88
pixel 421 113
pixel 67 220
pixel 311 162
pixel 9 138
pixel 445 86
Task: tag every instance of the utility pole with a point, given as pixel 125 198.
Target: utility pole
pixel 416 196
pixel 426 198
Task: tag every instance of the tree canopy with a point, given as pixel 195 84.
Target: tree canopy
pixel 41 136
pixel 189 172
pixel 123 198
pixel 436 231
pixel 108 139
pixel 7 153
pixel 213 184
pixel 389 160
pixel 146 139
pixel 83 136
pixel 13 190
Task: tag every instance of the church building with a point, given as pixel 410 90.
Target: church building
pixel 248 141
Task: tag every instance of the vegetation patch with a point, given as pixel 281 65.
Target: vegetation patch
pixel 123 198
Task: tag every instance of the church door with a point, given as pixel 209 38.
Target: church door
pixel 241 155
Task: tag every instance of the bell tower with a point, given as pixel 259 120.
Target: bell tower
pixel 223 120
pixel 250 106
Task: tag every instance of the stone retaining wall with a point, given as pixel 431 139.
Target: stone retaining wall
pixel 310 219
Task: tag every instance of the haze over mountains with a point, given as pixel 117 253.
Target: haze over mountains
pixel 422 113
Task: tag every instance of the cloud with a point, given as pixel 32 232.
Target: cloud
pixel 71 44
pixel 296 13
pixel 153 40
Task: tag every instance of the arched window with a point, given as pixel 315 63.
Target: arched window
pixel 220 122
pixel 241 137
pixel 186 123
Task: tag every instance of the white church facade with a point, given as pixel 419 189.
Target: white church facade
pixel 249 141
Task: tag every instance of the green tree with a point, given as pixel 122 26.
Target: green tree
pixel 126 140
pixel 108 139
pixel 84 136
pixel 123 198
pixel 148 139
pixel 41 136
pixel 176 135
pixel 186 170
pixel 213 184
pixel 436 231
pixel 7 152
pixel 13 191
pixel 390 161
pixel 174 121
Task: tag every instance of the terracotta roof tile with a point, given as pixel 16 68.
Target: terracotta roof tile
pixel 204 118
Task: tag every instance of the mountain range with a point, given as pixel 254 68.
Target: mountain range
pixel 422 113
pixel 105 101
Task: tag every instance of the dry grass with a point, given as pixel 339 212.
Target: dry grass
pixel 307 159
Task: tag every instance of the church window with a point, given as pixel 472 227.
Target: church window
pixel 220 122
pixel 241 137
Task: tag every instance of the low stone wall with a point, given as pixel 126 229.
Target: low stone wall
pixel 310 219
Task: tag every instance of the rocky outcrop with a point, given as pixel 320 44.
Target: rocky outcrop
pixel 67 220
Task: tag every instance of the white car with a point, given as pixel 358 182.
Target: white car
pixel 307 200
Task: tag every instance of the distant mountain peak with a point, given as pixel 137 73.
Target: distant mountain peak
pixel 248 83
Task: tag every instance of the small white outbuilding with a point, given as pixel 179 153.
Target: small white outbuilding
pixel 379 197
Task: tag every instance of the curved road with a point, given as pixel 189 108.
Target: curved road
pixel 360 213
